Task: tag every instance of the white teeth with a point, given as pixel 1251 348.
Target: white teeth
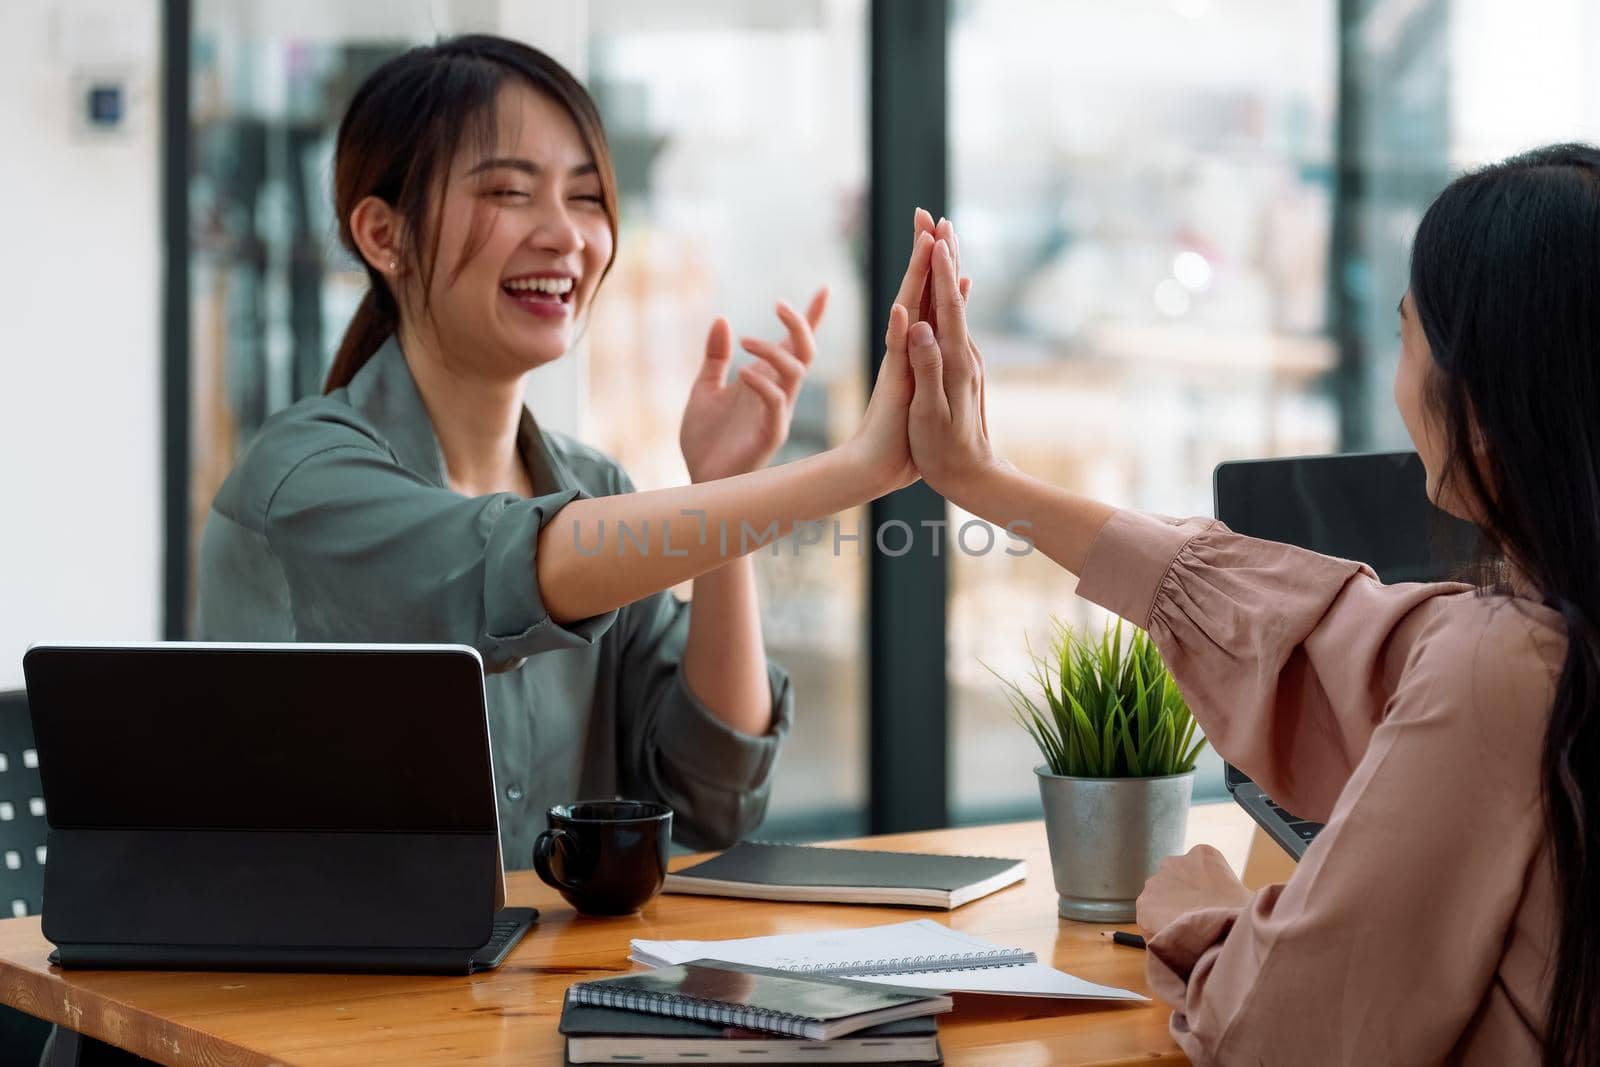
pixel 556 286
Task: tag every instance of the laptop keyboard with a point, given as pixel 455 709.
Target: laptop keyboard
pixel 1304 829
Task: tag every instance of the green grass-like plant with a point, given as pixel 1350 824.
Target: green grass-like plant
pixel 1112 708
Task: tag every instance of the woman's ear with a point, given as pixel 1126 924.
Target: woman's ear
pixel 376 229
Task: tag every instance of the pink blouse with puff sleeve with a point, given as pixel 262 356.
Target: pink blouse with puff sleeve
pixel 1409 718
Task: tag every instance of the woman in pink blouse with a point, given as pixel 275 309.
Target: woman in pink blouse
pixel 1448 736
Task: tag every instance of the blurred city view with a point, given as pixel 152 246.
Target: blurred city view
pixel 1186 221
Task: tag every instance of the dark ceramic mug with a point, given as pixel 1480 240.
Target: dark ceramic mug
pixel 607 857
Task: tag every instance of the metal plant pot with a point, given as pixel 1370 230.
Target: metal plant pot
pixel 1108 836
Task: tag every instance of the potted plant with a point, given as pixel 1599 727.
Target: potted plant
pixel 1119 747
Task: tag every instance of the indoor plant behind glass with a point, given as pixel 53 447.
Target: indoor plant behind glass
pixel 1119 746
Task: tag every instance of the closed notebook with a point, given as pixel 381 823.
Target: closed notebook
pixel 851 876
pixel 612 1035
pixel 759 998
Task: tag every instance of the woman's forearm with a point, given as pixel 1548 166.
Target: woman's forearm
pixel 596 555
pixel 1060 524
pixel 725 660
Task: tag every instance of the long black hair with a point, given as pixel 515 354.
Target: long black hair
pixel 1505 278
pixel 396 142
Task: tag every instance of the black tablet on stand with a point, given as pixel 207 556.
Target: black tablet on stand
pixel 269 807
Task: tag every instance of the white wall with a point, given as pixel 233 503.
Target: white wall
pixel 1522 75
pixel 80 304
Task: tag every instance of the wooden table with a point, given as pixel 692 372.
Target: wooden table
pixel 509 1016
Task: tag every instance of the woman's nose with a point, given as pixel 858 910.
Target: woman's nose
pixel 556 232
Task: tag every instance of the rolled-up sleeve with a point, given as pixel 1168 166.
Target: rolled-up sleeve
pixel 370 552
pixel 716 779
pixel 1286 657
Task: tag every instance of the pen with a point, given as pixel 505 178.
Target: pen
pixel 1131 940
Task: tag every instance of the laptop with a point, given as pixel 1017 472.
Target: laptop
pixel 1370 507
pixel 296 807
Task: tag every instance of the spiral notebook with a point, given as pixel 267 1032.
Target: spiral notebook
pixel 758 998
pixel 923 955
pixel 764 871
pixel 610 1035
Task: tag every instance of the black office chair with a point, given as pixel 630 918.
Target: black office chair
pixel 22 856
pixel 23 829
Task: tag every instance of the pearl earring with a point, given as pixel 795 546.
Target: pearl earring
pixel 393 264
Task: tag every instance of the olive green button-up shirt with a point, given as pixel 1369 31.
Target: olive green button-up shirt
pixel 338 524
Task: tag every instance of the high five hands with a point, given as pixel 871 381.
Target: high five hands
pixel 948 426
pixel 926 417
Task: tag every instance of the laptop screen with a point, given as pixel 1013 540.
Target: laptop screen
pixel 1372 507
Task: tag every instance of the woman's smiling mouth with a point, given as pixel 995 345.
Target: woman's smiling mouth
pixel 545 295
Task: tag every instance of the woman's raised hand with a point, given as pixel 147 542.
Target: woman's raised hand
pixel 882 440
pixel 736 427
pixel 948 427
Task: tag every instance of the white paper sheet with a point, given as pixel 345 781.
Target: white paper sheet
pixel 896 941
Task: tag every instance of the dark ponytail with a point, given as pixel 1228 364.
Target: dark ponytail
pixel 372 324
pixel 397 140
pixel 1505 278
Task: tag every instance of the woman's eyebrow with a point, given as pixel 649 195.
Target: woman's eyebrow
pixel 528 166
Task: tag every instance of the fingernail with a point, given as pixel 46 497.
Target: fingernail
pixel 922 334
pixel 943 248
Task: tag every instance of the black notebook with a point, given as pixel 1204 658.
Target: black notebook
pixel 612 1035
pixel 759 998
pixel 849 876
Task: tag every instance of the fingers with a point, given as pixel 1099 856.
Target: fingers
pixel 719 351
pixel 946 231
pixel 788 370
pixel 947 295
pixel 916 276
pixel 983 390
pixel 963 383
pixel 818 305
pixel 894 369
pixel 977 355
pixel 927 369
pixel 770 392
pixel 802 342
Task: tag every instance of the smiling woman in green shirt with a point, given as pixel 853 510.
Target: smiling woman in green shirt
pixel 417 501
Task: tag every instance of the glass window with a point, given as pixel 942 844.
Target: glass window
pixel 271 288
pixel 1143 191
pixel 740 141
